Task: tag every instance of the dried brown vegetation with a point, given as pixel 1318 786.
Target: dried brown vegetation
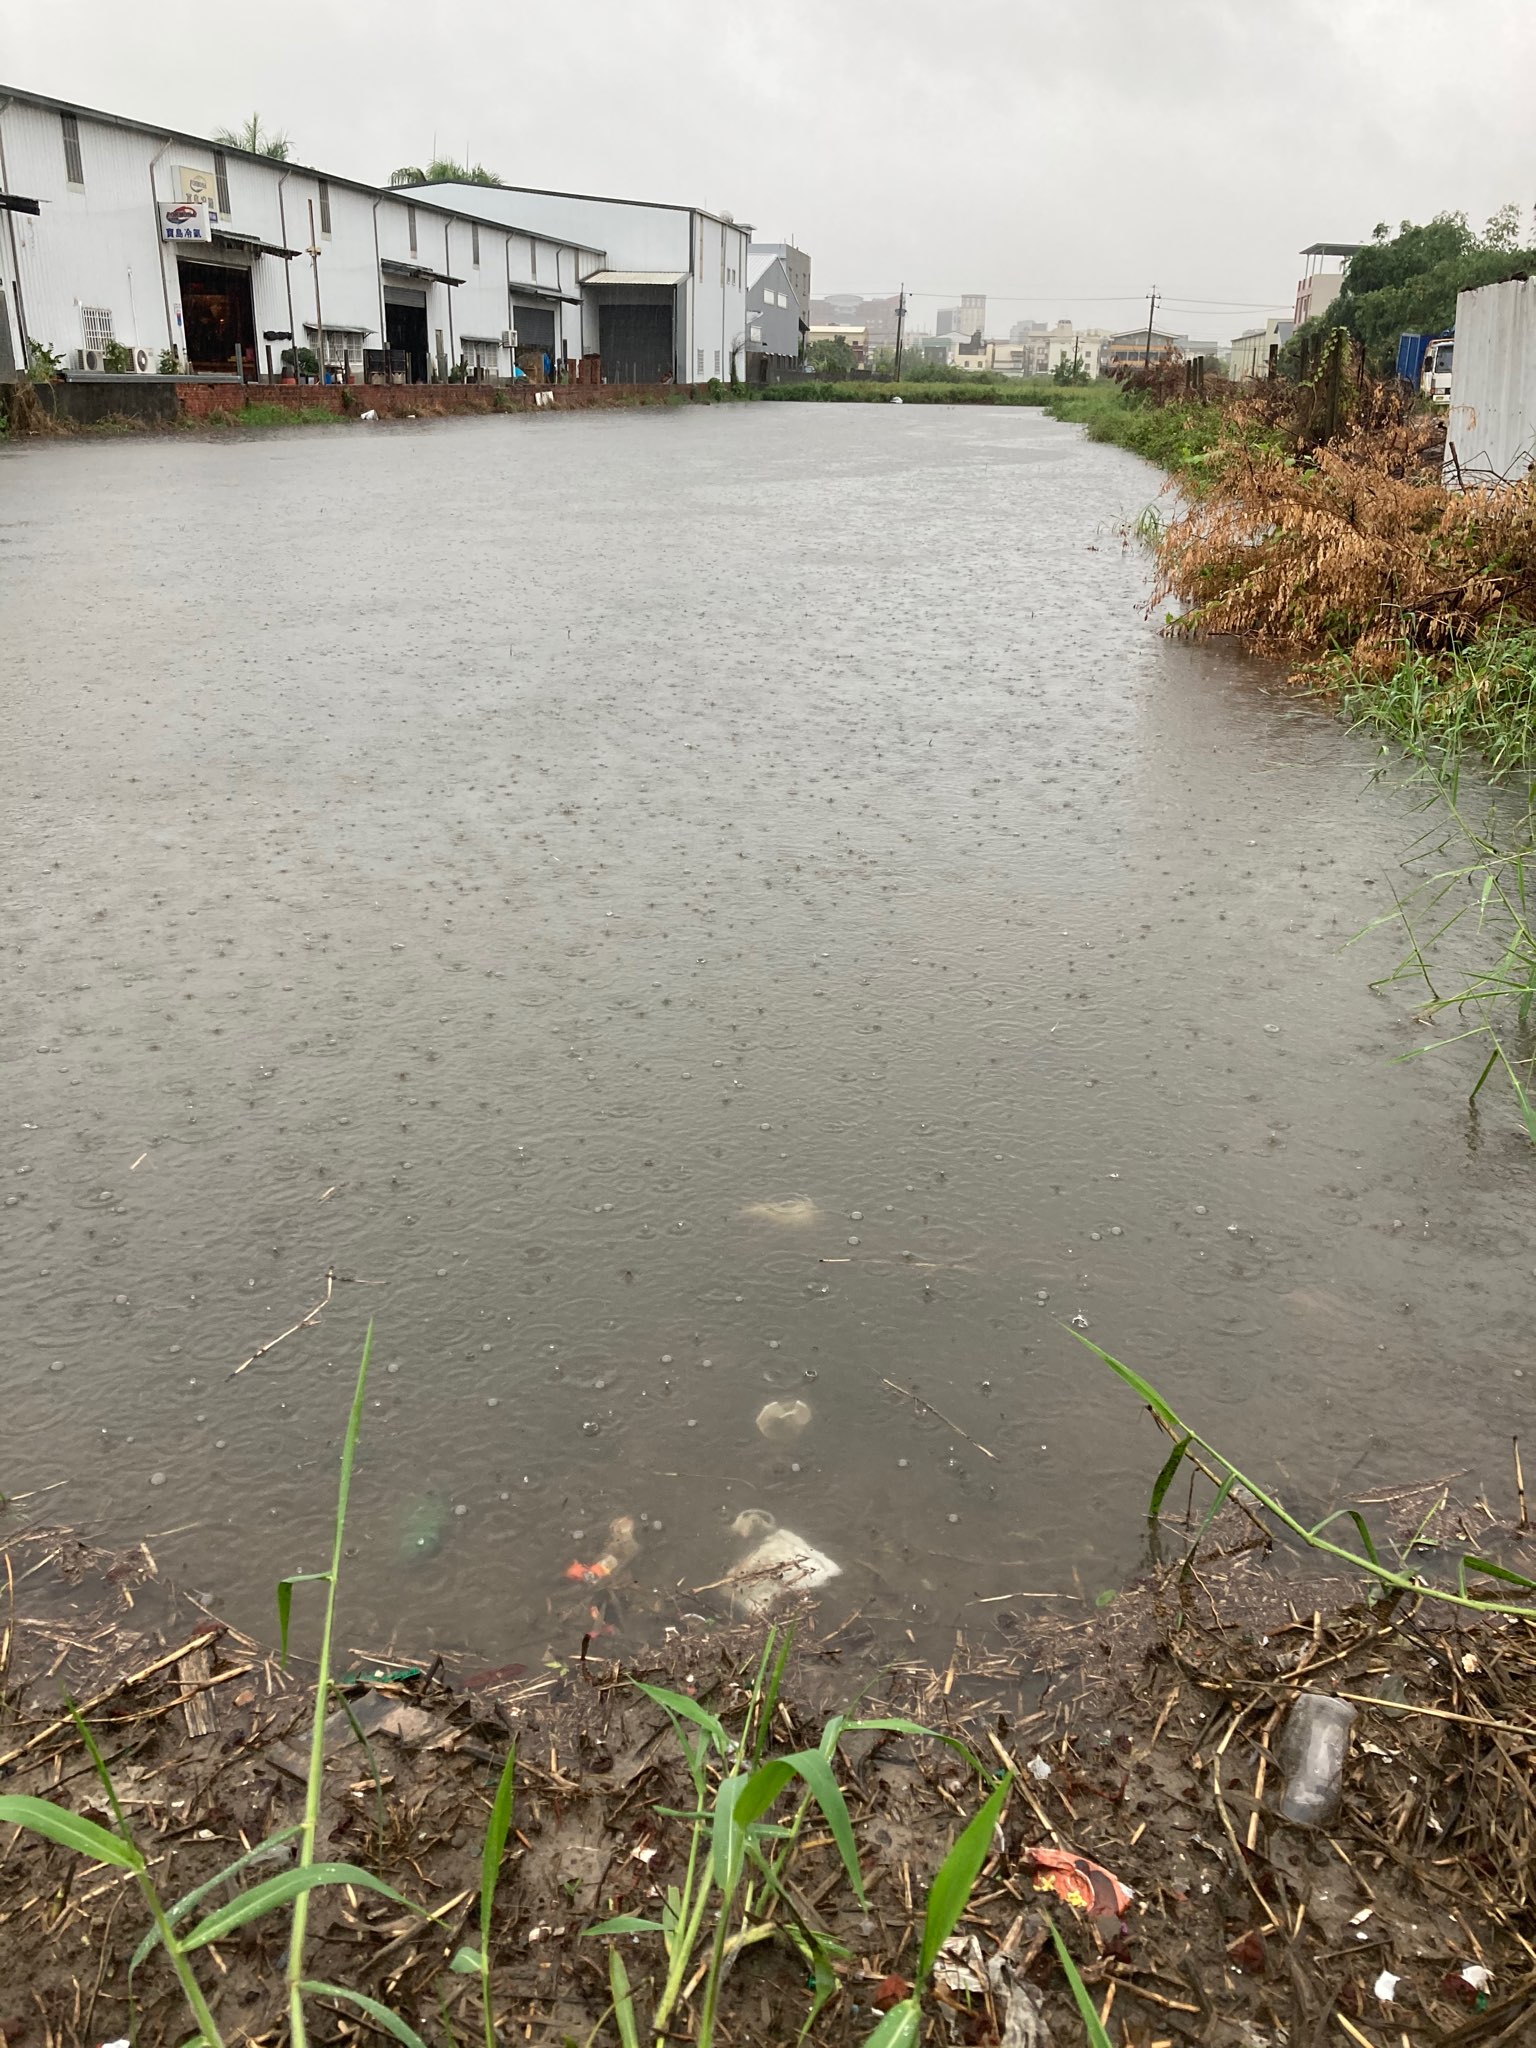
pixel 1356 546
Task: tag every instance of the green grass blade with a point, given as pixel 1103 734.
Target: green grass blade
pixel 1499 1571
pixel 623 2001
pixel 899 2028
pixel 956 1879
pixel 626 1923
pixel 183 1906
pixel 1087 2011
pixel 282 1890
pixel 823 1984
pixel 894 1724
pixel 1223 1493
pixel 285 1605
pixel 500 1826
pixel 812 1766
pixel 466 1962
pixel 314 1781
pixel 70 1831
pixel 1166 1477
pixel 769 1701
pixel 381 2015
pixel 1134 1380
pixel 679 1703
pixel 99 1765
pixel 742 1801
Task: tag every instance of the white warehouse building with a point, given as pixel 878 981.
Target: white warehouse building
pixel 671 301
pixel 165 244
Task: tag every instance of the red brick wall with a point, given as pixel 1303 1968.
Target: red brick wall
pixel 202 401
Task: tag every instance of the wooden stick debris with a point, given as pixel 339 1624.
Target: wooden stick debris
pixel 1525 1520
pixel 907 1394
pixel 100 1699
pixel 306 1322
pixel 1370 1699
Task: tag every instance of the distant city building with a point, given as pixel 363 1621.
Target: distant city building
pixel 1135 349
pixel 857 338
pixel 1065 343
pixel 1318 288
pixel 852 309
pixel 1249 354
pixel 967 320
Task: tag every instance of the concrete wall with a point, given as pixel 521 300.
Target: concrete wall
pixel 1491 429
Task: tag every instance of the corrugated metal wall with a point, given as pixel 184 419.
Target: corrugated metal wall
pixel 1491 431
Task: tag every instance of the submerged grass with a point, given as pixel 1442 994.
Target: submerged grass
pixel 1479 698
pixel 1396 1577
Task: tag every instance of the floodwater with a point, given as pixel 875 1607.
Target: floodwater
pixel 494 860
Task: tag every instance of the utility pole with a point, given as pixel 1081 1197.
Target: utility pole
pixel 901 322
pixel 1146 361
pixel 313 253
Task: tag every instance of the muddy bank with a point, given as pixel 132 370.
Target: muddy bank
pixel 1143 1739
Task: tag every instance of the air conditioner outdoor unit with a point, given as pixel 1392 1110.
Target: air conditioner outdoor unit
pixel 142 361
pixel 87 358
pixel 509 338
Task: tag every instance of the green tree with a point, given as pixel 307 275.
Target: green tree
pixel 831 358
pixel 1070 370
pixel 443 171
pixel 1406 283
pixel 253 137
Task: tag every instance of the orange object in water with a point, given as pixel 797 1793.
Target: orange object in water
pixel 1078 1881
pixel 589 1574
pixel 621 1548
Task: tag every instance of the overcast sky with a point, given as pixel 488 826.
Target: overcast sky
pixel 1060 155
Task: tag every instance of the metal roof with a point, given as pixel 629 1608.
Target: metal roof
pixel 405 193
pixel 1333 249
pixel 635 277
pixel 726 220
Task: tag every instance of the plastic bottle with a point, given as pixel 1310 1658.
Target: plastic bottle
pixel 1311 1751
pixel 622 1546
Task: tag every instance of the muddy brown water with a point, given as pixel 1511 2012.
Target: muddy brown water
pixel 491 858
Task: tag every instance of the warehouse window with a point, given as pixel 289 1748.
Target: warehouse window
pixel 474 243
pixel 410 226
pixel 701 362
pixel 74 170
pixel 96 326
pixel 717 362
pixel 221 178
pixel 324 191
pixel 533 259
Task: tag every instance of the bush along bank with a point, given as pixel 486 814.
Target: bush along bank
pixel 1137 1822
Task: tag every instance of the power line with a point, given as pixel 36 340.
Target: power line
pixel 1177 303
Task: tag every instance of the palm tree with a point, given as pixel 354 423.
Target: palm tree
pixel 443 171
pixel 256 139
